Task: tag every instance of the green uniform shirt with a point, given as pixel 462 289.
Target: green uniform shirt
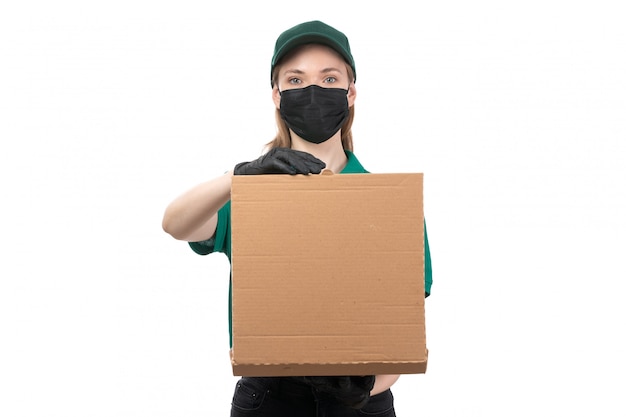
pixel 220 242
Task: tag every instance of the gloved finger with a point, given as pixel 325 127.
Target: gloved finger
pixel 277 166
pixel 304 163
pixel 310 159
pixel 303 167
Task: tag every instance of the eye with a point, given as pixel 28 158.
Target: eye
pixel 330 80
pixel 295 80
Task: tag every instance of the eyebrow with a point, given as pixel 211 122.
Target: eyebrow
pixel 330 69
pixel 294 71
pixel 300 72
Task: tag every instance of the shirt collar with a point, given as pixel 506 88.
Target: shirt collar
pixel 353 166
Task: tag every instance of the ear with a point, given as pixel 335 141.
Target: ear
pixel 351 94
pixel 276 97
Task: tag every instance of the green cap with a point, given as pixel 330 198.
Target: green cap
pixel 312 32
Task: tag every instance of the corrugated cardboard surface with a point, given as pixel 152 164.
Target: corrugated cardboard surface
pixel 328 274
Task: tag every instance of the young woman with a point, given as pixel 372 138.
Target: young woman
pixel 313 88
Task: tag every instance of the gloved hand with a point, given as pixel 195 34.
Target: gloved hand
pixel 281 161
pixel 354 391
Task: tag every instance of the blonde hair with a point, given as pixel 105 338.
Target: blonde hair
pixel 283 137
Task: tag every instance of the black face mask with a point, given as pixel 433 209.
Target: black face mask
pixel 314 113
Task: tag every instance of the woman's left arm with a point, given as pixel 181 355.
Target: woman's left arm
pixel 383 383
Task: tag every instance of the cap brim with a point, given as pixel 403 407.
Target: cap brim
pixel 307 38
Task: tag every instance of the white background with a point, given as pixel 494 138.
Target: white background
pixel 514 111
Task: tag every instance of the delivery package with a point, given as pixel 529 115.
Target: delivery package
pixel 328 274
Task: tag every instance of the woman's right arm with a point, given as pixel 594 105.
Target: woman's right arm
pixel 193 215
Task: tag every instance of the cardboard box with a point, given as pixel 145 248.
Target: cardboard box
pixel 328 275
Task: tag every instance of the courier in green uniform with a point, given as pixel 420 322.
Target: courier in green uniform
pixel 313 77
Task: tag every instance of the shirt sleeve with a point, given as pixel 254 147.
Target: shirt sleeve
pixel 428 269
pixel 220 242
pixel 203 247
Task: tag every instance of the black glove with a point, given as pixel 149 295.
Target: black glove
pixel 353 391
pixel 281 161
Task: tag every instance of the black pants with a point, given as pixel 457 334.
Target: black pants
pixel 289 397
